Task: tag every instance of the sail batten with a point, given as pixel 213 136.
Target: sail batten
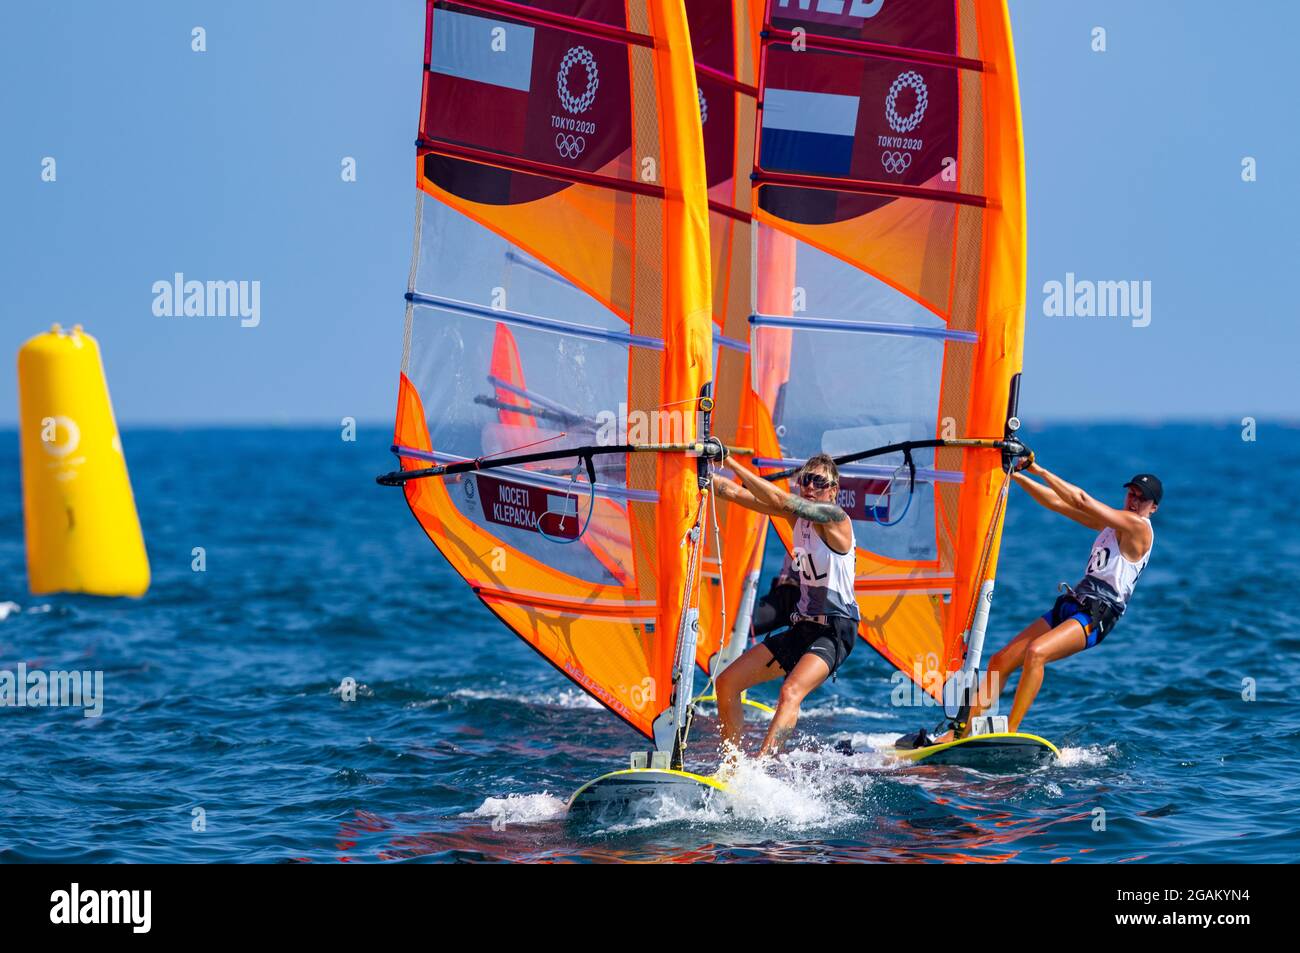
pixel 839 44
pixel 558 325
pixel 866 187
pixel 860 327
pixel 542 170
pixel 573 24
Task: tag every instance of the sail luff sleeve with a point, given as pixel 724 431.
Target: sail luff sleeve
pixel 999 356
pixel 724 44
pixel 687 363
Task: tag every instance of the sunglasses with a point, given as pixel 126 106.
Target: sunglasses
pixel 816 481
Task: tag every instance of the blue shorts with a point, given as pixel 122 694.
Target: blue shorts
pixel 1067 608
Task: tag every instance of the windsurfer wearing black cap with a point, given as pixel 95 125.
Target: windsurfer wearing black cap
pixel 1084 614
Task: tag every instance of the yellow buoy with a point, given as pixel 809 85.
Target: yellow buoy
pixel 83 534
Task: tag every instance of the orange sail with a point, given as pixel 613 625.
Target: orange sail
pixel 724 39
pixel 889 293
pixel 559 299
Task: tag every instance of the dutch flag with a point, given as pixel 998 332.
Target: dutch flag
pixel 809 133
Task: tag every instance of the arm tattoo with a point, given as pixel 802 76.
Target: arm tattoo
pixel 727 489
pixel 815 512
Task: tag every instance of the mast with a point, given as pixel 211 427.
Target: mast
pixel 958 695
pixel 738 637
pixel 683 483
pixel 674 724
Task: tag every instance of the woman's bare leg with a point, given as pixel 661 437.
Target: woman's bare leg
pixel 755 666
pixel 1062 642
pixel 1009 658
pixel 810 672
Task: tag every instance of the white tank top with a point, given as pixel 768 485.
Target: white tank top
pixel 1107 564
pixel 825 576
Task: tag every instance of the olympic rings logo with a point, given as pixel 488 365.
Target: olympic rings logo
pixel 909 80
pixel 896 162
pixel 568 145
pixel 577 55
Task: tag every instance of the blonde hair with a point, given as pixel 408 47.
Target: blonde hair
pixel 822 461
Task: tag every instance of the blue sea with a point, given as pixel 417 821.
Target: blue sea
pixel 225 735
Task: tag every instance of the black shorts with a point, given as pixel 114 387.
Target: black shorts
pixel 831 643
pixel 773 610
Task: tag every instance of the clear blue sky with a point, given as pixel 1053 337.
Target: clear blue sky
pixel 226 164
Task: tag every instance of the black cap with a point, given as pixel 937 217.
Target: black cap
pixel 1148 485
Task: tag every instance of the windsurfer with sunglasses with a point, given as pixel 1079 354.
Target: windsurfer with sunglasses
pixel 1085 613
pixel 824 621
